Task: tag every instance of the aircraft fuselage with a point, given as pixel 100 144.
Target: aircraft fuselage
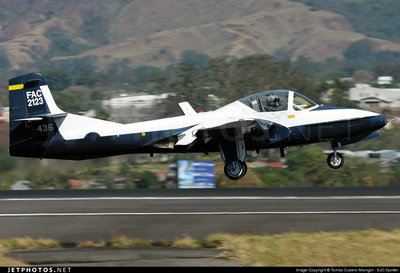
pixel 277 118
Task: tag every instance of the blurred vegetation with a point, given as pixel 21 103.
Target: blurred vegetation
pixel 55 174
pixel 306 167
pixel 199 78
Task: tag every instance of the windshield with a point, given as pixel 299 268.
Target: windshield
pixel 301 102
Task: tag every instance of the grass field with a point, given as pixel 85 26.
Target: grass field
pixel 364 248
pixel 345 248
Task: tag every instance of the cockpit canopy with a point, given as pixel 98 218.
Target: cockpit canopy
pixel 277 100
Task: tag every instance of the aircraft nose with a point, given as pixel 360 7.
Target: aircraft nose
pixel 379 121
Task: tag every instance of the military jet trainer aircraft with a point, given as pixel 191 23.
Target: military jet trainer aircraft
pixel 270 119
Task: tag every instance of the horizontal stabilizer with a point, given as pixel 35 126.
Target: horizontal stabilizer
pixel 29 119
pixel 59 115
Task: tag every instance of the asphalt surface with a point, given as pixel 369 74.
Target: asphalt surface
pixel 101 257
pixel 98 215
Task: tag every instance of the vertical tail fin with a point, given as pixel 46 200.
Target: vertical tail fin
pixel 30 98
pixel 32 115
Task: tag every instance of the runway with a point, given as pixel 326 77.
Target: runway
pixel 72 216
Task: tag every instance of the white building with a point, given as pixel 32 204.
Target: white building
pixel 384 80
pixel 367 96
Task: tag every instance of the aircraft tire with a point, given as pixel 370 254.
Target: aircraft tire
pixel 335 162
pixel 235 170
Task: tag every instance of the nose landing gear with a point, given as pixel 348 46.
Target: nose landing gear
pixel 335 160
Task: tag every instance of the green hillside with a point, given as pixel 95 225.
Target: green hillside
pixel 378 19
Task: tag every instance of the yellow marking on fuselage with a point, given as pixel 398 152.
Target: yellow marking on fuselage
pixel 15 87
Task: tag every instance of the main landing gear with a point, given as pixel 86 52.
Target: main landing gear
pixel 233 153
pixel 235 170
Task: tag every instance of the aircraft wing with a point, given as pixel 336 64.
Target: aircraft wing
pixel 259 129
pixel 190 135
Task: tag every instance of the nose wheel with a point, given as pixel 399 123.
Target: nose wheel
pixel 335 160
pixel 235 169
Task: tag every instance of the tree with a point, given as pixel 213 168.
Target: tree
pixel 6 162
pixel 69 102
pixel 256 73
pixel 222 75
pixel 88 77
pixel 195 58
pixel 387 69
pixel 145 75
pixel 308 165
pixel 362 76
pixel 57 79
pixel 358 50
pixel 191 85
pixel 147 180
pixel 339 96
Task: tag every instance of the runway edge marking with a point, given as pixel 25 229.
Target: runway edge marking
pixel 44 214
pixel 203 198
